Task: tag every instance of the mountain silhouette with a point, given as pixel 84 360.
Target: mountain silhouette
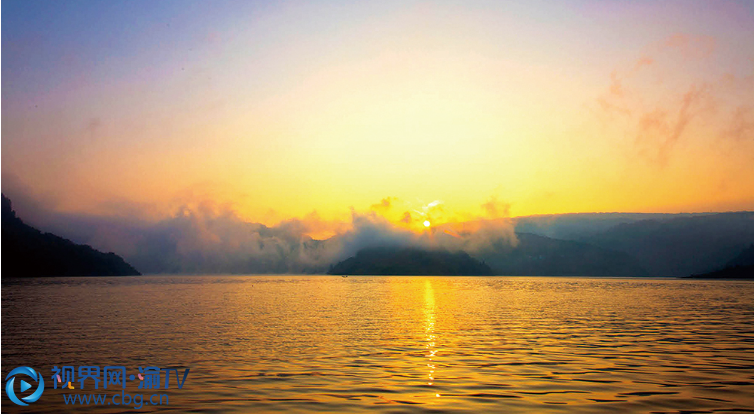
pixel 410 261
pixel 532 256
pixel 680 246
pixel 27 252
pixel 741 266
pixel 535 255
pixel 745 258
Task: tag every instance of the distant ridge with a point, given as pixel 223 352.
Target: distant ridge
pixel 731 272
pixel 410 261
pixel 536 255
pixel 681 246
pixel 27 252
pixel 740 267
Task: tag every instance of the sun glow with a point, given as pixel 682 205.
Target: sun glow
pixel 426 223
pixel 262 117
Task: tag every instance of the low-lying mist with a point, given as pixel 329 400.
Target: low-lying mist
pixel 207 238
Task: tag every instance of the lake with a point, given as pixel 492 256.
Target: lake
pixel 389 344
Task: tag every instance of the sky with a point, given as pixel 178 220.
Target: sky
pixel 421 113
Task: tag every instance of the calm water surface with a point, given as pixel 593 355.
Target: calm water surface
pixel 393 344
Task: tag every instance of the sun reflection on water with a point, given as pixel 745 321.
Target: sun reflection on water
pixel 401 344
pixel 430 336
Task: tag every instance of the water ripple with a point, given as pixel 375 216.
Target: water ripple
pixel 397 344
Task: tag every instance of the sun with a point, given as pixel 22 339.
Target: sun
pixel 426 223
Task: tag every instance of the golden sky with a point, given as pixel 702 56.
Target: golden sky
pixel 284 109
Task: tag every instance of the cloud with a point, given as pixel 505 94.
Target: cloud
pixel 477 236
pixel 495 208
pixel 383 206
pixel 615 89
pixel 660 130
pixel 691 46
pixel 660 107
pixel 643 61
pixel 201 236
pixel 740 126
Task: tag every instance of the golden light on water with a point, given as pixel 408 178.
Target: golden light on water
pixel 490 344
pixel 430 336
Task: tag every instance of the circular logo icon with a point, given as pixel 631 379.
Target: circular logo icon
pixel 24 385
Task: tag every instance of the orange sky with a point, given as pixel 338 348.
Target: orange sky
pixel 289 109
